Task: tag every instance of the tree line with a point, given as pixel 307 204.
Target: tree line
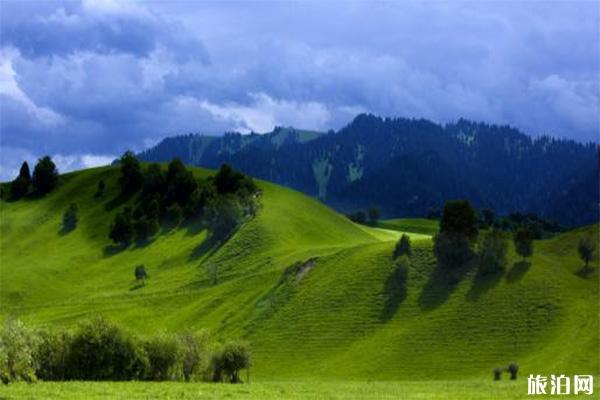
pixel 43 180
pixel 100 350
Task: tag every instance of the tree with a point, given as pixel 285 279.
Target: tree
pixel 360 217
pixel 228 180
pixel 174 214
pixel 523 240
pixel 45 175
pixel 70 218
pixel 22 183
pixel 164 356
pixel 131 179
pixel 586 248
pixel 512 369
pixel 230 360
pixel 100 189
pixel 194 357
pixel 225 216
pixel 145 227
pixel 140 273
pixel 155 181
pixel 492 257
pixel 373 214
pixel 121 230
pixel 180 183
pixel 403 246
pixel 458 231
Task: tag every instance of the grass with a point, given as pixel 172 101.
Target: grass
pixel 338 319
pixel 421 390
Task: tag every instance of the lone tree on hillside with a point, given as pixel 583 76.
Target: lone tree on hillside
pixel 45 175
pixel 458 231
pixel 512 369
pixel 22 183
pixel 373 214
pixel 121 230
pixel 523 240
pixel 70 218
pixel 131 179
pixel 403 246
pixel 140 274
pixel 492 257
pixel 586 248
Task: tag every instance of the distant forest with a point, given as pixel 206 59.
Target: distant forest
pixel 409 167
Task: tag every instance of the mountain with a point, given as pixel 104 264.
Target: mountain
pixel 407 166
pixel 311 291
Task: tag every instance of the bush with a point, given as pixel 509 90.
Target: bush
pixel 70 218
pixel 194 355
pixel 100 350
pixel 492 257
pixel 512 369
pixel 403 247
pixel 497 374
pixel 51 355
pixel 45 175
pixel 229 361
pixel 17 350
pixel 140 273
pixel 164 357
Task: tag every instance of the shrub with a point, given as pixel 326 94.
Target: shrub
pixel 70 218
pixel 17 350
pixel 164 357
pixel 451 249
pixel 512 369
pixel 497 374
pixel 100 350
pixel 523 240
pixel 228 362
pixel 45 175
pixel 403 247
pixel 194 355
pixel 51 355
pixel 140 273
pixel 492 257
pixel 586 248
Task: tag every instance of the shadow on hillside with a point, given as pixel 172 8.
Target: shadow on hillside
pixel 136 287
pixel 442 282
pixel 518 271
pixel 207 247
pixel 394 291
pixel 585 272
pixel 482 283
pixel 140 244
pixel 112 249
pixel 65 230
pixel 116 202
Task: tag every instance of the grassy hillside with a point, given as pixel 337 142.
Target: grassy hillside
pixel 416 225
pixel 305 286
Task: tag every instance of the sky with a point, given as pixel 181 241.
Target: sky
pixel 83 81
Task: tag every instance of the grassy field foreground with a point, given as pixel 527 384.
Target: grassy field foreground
pixel 463 390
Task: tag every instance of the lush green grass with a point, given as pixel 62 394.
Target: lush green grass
pixel 334 319
pixel 422 390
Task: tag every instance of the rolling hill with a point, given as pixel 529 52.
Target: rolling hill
pixel 308 288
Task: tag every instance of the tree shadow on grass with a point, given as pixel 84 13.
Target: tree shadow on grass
pixel 116 201
pixel 207 247
pixel 394 291
pixel 65 230
pixel 518 271
pixel 137 286
pixel 585 272
pixel 112 249
pixel 442 282
pixel 482 283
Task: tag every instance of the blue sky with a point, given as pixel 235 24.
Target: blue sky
pixel 84 81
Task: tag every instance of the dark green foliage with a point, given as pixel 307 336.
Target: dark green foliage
pixel 360 217
pixel 225 216
pixel 155 181
pixel 100 350
pixel 374 214
pixel 229 361
pixel 145 227
pixel 512 369
pixel 492 254
pixel 52 355
pixel 228 180
pixel 131 178
pixel 121 230
pixel 180 183
pixel 164 358
pixel 101 188
pixel 403 247
pixel 22 183
pixel 194 355
pixel 459 218
pixel 174 214
pixel 17 352
pixel 70 218
pixel 523 240
pixel 586 248
pixel 452 250
pixel 140 273
pixel 45 175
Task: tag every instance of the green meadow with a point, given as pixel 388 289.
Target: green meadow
pixel 309 290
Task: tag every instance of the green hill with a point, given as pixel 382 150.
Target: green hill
pixel 305 286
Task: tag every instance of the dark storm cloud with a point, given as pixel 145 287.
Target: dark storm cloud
pixel 82 79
